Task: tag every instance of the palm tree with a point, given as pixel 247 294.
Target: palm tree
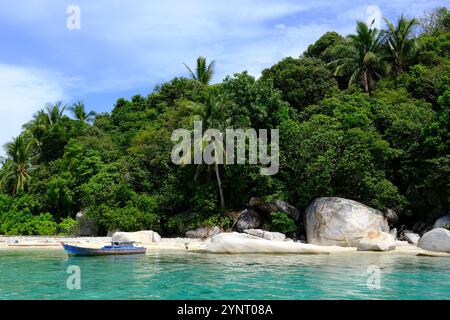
pixel 17 167
pixel 41 123
pixel 79 112
pixel 203 72
pixel 209 114
pixel 364 64
pixel 400 42
pixel 53 113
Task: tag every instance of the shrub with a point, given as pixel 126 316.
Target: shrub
pixel 23 223
pixel 128 218
pixel 217 220
pixel 280 222
pixel 68 226
pixel 446 226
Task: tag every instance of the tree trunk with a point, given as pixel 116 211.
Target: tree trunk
pixel 219 183
pixel 366 81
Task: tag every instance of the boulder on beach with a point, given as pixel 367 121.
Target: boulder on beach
pixel 275 236
pixel 203 232
pixel 411 237
pixel 394 232
pixel 437 240
pixel 341 222
pixel 142 237
pixel 442 221
pixel 248 219
pixel 377 241
pixel 245 243
pixel 391 216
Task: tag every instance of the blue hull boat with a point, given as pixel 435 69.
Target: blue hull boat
pixel 113 249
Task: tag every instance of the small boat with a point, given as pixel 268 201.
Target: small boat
pixel 116 248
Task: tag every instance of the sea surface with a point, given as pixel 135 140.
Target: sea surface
pixel 50 274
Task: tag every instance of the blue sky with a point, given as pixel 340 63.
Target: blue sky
pixel 127 47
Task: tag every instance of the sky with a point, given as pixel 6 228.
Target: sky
pixel 97 51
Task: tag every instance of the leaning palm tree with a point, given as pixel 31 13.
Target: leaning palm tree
pixel 79 112
pixel 364 64
pixel 400 42
pixel 17 167
pixel 203 72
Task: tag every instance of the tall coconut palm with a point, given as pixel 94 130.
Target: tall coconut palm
pixel 364 64
pixel 203 71
pixel 79 112
pixel 53 113
pixel 209 114
pixel 400 42
pixel 17 167
pixel 41 123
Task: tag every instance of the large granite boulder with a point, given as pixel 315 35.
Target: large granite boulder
pixel 442 221
pixel 141 237
pixel 377 241
pixel 245 243
pixel 203 232
pixel 276 236
pixel 341 222
pixel 248 219
pixel 437 240
pixel 266 208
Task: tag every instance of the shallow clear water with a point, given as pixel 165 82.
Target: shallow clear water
pixel 42 275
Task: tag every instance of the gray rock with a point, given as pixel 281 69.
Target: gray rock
pixel 437 240
pixel 421 228
pixel 341 222
pixel 142 237
pixel 391 216
pixel 248 219
pixel 377 241
pixel 111 232
pixel 290 210
pixel 242 243
pixel 276 236
pixel 442 221
pixel 265 209
pixel 393 232
pixel 411 237
pixel 401 243
pixel 86 227
pixel 203 232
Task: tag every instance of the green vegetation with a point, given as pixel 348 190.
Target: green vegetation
pixel 364 117
pixel 281 222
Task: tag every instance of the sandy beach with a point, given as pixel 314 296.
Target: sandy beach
pixel 177 244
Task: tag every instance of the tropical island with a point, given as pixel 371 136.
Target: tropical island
pixel 364 150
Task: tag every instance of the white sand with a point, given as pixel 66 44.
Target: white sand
pixel 173 245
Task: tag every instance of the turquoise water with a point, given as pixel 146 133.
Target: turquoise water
pixel 42 275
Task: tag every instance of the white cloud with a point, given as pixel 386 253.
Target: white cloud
pixel 122 46
pixel 23 92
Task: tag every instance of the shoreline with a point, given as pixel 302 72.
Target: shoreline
pixel 12 243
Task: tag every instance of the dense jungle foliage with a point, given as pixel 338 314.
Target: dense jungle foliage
pixel 364 116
